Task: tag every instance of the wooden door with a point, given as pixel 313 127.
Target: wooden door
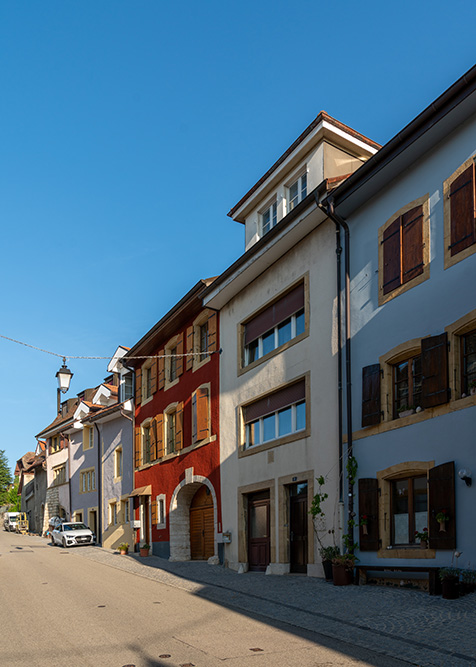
pixel 202 533
pixel 258 532
pixel 298 532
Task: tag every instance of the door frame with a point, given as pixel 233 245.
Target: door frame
pixel 284 519
pixel 243 493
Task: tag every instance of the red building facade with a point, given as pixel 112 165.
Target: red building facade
pixel 177 501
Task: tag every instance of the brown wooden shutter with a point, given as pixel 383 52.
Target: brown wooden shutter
pixel 434 369
pixel 137 447
pixel 212 333
pixel 194 417
pixel 189 364
pixel 179 427
pixel 412 244
pixel 138 386
pixel 371 412
pixel 179 364
pixel 368 506
pixel 161 371
pixel 392 257
pixel 153 376
pixel 462 211
pixel 159 425
pixel 441 492
pixel 154 512
pixel 203 420
pixel 153 440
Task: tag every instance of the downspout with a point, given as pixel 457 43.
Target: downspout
pixel 341 223
pixel 99 526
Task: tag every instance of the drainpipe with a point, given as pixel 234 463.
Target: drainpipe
pixel 99 526
pixel 339 222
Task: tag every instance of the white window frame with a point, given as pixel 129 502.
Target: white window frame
pixel 161 511
pixel 126 395
pixel 294 334
pixel 146 387
pixel 272 209
pixel 277 436
pixel 301 191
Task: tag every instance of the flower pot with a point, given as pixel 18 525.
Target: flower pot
pixel 472 391
pixel 406 413
pixel 341 575
pixel 123 552
pixel 144 553
pixel 442 526
pixel 365 529
pixel 327 565
pixel 423 544
pixel 449 588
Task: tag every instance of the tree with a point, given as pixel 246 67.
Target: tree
pixel 13 499
pixel 5 477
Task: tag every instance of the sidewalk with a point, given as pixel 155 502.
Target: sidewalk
pixel 404 624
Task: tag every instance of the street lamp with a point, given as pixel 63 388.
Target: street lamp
pixel 64 376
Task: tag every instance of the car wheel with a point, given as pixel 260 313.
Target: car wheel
pixel 64 543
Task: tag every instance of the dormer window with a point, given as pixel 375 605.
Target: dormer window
pixel 269 218
pixel 127 387
pixel 297 191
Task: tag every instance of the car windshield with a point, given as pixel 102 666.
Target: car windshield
pixel 74 526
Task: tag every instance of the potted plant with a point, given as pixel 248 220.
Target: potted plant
pixel 468 581
pixel 449 582
pixel 343 569
pixel 423 537
pixel 472 387
pixel 364 520
pixel 406 410
pixel 327 554
pixel 144 549
pixel 442 517
pixel 124 548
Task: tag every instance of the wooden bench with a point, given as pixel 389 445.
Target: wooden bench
pixel 434 583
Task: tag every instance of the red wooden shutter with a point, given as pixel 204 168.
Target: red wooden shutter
pixel 412 244
pixel 138 386
pixel 161 371
pixel 179 365
pixel 441 492
pixel 368 506
pixel 203 420
pixel 462 211
pixel 137 448
pixel 371 411
pixel 159 425
pixel 392 257
pixel 434 369
pixel 189 364
pixel 179 427
pixel 212 333
pixel 153 440
pixel 153 376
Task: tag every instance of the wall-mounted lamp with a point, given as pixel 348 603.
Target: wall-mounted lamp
pixel 64 376
pixel 465 475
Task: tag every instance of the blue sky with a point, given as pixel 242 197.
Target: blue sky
pixel 130 128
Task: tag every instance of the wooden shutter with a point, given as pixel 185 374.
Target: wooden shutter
pixel 189 364
pixel 203 418
pixel 368 506
pixel 138 386
pixel 392 256
pixel 434 369
pixel 161 371
pixel 412 244
pixel 154 512
pixel 179 364
pixel 462 212
pixel 371 395
pixel 212 333
pixel 153 376
pixel 137 447
pixel 179 428
pixel 194 417
pixel 159 439
pixel 441 482
pixel 153 440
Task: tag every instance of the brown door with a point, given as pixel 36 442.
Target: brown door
pixel 298 527
pixel 258 532
pixel 202 542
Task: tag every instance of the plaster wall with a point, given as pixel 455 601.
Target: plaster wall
pixel 81 460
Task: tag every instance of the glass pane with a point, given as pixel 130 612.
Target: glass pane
pixel 299 322
pixel 298 489
pixel 284 331
pixel 400 512
pixel 275 211
pixel 268 342
pixel 285 421
pixel 416 370
pixel 301 416
pixel 269 428
pixel 252 352
pixel 303 185
pixel 420 499
pixel 259 521
pixel 252 434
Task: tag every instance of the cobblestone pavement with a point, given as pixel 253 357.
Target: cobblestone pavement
pixel 404 624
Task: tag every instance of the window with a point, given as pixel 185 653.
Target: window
pixel 171 428
pixel 55 444
pixel 78 516
pixel 146 381
pixel 172 364
pixel 124 511
pixel 201 339
pixel 269 218
pixel 459 213
pixel 161 510
pixel 276 416
pixel 404 250
pixel 201 414
pixel 112 518
pixel 87 481
pixel 297 191
pixel 407 384
pixel 409 509
pixel 146 443
pixel 59 475
pixel 275 326
pixel 468 362
pixel 127 390
pixel 118 462
pixel 88 437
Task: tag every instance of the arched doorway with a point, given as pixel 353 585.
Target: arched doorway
pixel 202 545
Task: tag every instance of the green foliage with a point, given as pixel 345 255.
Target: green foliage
pixel 316 508
pixel 449 573
pixel 349 543
pixel 5 477
pixel 13 499
pixel 328 553
pixel 351 469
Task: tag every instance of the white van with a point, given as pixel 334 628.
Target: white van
pixel 10 520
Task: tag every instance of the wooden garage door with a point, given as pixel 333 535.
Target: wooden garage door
pixel 202 544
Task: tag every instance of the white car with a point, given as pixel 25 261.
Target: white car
pixel 72 534
pixel 10 521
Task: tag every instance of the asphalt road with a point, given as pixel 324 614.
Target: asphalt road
pixel 57 609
